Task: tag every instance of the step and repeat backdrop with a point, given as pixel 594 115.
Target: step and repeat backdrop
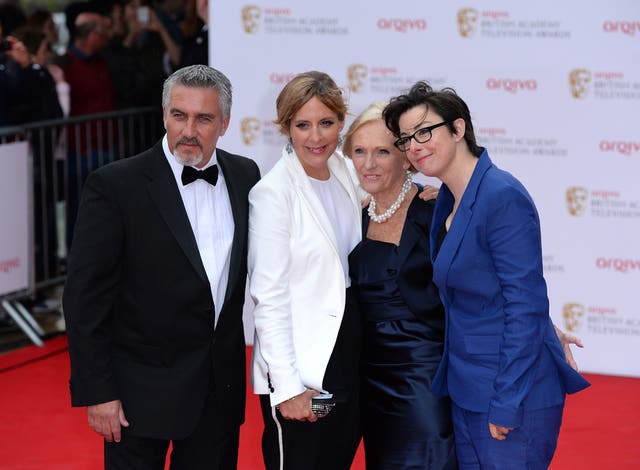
pixel 554 91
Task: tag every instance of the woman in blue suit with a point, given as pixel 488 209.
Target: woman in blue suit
pixel 502 365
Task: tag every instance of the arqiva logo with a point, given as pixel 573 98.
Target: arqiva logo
pixel 512 85
pixel 630 28
pixel 9 264
pixel 618 264
pixel 619 146
pixel 402 25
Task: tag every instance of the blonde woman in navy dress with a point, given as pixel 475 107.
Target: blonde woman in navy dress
pixel 404 425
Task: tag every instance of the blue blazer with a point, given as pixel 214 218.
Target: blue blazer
pixel 501 356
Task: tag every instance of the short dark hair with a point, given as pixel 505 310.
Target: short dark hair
pixel 445 102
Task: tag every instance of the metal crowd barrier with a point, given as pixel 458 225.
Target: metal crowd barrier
pixel 63 152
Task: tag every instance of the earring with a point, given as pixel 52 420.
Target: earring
pixel 340 141
pixel 289 146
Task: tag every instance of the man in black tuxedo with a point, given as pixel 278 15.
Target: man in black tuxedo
pixel 155 289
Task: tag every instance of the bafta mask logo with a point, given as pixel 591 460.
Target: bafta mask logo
pixel 251 18
pixel 356 74
pixel 577 200
pixel 467 19
pixel 572 314
pixel 250 130
pixel 578 82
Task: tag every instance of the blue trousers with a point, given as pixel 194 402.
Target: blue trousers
pixel 530 446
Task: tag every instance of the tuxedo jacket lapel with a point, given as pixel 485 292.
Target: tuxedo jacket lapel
pixel 164 192
pixel 239 208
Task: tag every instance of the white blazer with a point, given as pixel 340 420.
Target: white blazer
pixel 295 278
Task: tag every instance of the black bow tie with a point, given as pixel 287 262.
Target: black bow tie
pixel 190 174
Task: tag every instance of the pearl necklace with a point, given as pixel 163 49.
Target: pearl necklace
pixel 406 187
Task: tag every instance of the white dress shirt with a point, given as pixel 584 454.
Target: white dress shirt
pixel 338 206
pixel 209 210
pixel 298 243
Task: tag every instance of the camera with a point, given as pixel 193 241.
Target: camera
pixel 5 45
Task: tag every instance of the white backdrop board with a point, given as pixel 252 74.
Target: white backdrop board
pixel 14 218
pixel 554 91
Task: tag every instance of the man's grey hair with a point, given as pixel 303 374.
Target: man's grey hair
pixel 200 76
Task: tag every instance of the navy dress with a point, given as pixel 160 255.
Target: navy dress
pixel 404 425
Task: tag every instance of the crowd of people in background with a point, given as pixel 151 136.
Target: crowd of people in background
pixel 104 57
pixel 117 56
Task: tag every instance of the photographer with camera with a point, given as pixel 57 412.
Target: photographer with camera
pixel 17 97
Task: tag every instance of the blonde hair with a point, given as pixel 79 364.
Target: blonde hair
pixel 301 89
pixel 372 113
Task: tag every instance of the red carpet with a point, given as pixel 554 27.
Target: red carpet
pixel 39 429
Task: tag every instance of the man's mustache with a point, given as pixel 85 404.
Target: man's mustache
pixel 189 141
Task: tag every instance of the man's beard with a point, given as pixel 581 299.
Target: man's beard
pixel 191 160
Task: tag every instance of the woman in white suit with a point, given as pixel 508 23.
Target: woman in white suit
pixel 304 220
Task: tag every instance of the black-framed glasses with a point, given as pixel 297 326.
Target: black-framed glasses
pixel 422 136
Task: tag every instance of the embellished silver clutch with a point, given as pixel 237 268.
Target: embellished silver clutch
pixel 321 405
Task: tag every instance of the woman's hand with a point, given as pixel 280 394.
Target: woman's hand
pixel 299 407
pixel 499 432
pixel 428 193
pixel 566 340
